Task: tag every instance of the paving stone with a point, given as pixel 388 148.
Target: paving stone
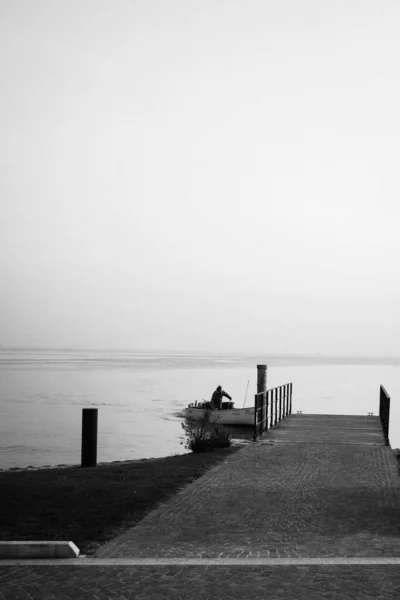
pixel 314 486
pixel 222 583
pixel 278 500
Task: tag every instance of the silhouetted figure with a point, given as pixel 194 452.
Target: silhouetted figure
pixel 216 399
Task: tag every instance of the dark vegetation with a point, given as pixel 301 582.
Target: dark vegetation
pixel 205 433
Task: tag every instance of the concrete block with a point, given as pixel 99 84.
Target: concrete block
pixel 38 550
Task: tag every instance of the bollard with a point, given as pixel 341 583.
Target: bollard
pixel 260 401
pixel 262 387
pixel 89 437
pixel 261 378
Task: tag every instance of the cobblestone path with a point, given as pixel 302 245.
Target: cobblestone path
pixel 279 498
pixel 306 582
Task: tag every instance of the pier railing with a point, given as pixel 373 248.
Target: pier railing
pixel 270 407
pixel 384 412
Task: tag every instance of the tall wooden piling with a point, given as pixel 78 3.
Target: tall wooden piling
pixel 89 437
pixel 261 378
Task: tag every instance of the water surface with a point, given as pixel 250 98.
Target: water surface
pixel 139 396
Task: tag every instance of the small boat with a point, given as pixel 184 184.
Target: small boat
pixel 228 415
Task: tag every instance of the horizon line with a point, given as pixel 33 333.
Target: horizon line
pixel 186 351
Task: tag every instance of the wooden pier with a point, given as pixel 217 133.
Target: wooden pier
pixel 327 429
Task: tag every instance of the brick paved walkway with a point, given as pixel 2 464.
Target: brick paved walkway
pixel 323 497
pixel 316 486
pixel 307 582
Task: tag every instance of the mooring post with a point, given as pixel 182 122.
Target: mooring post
pixel 261 389
pixel 89 437
pixel 261 378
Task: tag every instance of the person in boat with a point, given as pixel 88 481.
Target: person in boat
pixel 216 399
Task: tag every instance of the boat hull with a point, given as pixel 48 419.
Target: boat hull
pixel 234 416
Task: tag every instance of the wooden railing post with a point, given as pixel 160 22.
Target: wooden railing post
pixel 255 434
pixel 277 405
pixel 384 412
pixel 271 412
pixel 272 408
pixel 278 391
pixel 259 419
pixel 290 398
pixel 284 401
pixel 262 413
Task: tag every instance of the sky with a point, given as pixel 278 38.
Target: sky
pixel 210 175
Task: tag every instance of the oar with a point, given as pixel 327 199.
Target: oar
pixel 246 394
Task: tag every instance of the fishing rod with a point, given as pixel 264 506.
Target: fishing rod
pixel 246 393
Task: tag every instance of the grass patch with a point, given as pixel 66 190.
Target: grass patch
pixel 91 506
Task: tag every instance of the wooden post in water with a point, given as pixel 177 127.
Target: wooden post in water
pixel 262 388
pixel 261 378
pixel 260 399
pixel 89 437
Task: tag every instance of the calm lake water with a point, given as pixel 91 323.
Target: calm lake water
pixel 42 393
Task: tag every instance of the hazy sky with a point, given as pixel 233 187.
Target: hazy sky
pixel 202 175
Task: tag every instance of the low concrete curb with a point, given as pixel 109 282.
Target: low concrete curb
pixel 22 549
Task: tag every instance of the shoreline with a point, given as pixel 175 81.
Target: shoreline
pixel 127 462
